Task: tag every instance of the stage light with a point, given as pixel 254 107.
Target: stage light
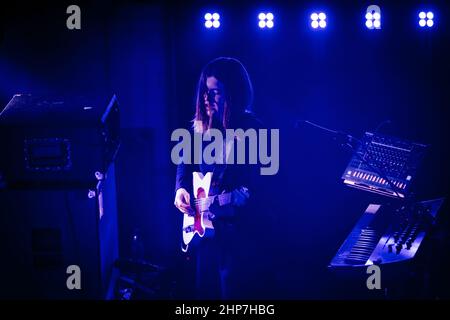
pixel 265 20
pixel 373 17
pixel 318 20
pixel 212 20
pixel 426 19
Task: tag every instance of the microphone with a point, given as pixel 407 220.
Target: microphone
pixel 340 136
pixel 381 124
pixel 345 140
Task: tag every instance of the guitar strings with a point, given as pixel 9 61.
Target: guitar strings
pixel 211 198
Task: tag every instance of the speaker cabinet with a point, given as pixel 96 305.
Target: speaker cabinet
pixel 57 141
pixel 44 231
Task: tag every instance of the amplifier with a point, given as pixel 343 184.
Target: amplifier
pixel 57 141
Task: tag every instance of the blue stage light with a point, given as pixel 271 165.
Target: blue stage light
pixel 212 20
pixel 318 20
pixel 426 19
pixel 373 17
pixel 208 24
pixel 265 20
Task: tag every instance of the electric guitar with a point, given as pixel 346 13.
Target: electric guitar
pixel 197 223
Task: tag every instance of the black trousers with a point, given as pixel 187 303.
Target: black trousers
pixel 216 264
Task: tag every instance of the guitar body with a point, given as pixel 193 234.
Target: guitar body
pixel 197 224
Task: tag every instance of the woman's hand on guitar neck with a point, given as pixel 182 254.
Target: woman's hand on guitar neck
pixel 182 200
pixel 240 196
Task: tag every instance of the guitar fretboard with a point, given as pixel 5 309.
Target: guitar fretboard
pixel 203 204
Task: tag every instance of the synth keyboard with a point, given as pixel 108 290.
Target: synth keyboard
pixel 386 235
pixel 396 159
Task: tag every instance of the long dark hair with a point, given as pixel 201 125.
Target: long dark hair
pixel 238 92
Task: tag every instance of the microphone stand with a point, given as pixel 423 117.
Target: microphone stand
pixel 346 141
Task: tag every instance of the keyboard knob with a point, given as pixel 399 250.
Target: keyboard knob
pixel 396 236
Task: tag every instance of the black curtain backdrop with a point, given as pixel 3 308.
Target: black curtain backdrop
pixel 345 77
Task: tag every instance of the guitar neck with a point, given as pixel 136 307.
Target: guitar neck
pixel 203 204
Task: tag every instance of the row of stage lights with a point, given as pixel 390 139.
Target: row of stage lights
pixel 318 20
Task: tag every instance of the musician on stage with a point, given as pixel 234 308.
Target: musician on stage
pixel 224 101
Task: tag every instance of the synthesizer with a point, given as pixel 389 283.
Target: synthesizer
pixel 384 164
pixel 385 234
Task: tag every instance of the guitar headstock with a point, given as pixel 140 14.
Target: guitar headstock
pixel 240 196
pixel 245 191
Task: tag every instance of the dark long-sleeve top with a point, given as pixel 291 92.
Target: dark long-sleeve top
pixel 234 175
